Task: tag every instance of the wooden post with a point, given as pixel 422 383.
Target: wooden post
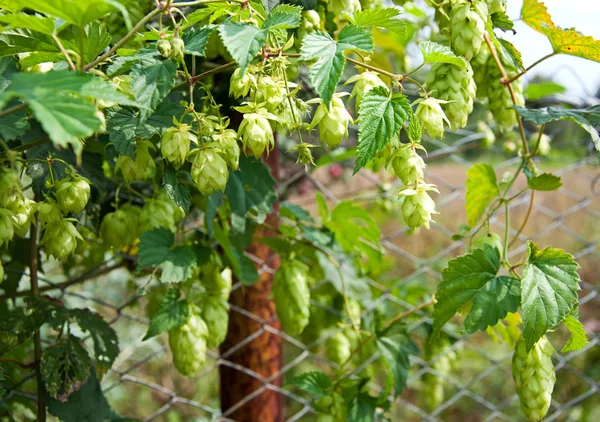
pixel 263 354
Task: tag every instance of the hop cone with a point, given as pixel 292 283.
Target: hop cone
pixel 72 193
pixel 229 148
pixel 217 281
pixel 407 165
pixel 164 48
pixel 348 6
pixel 333 123
pixel 241 83
pixel 418 206
pixel 215 313
pixel 7 230
pixel 10 186
pixel 292 296
pixel 500 101
pixel 311 21
pixel 140 168
pixel 467 20
pixel 436 352
pixel 431 116
pixel 451 83
pixel 48 212
pixel 534 377
pixel 338 348
pixel 157 213
pixel 209 171
pixel 188 344
pixel 363 83
pixel 120 228
pixel 175 144
pixel 256 133
pixel 496 6
pixel 23 214
pixel 60 239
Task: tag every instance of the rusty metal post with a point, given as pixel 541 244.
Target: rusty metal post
pixel 262 355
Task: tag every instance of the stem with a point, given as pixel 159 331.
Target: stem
pixel 37 339
pixel 525 220
pixel 506 229
pixel 199 2
pixel 206 74
pixel 518 75
pixel 414 70
pixel 123 40
pixel 374 69
pixel 12 110
pixel 62 49
pixel 16 362
pixel 539 139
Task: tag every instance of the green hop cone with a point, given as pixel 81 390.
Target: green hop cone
pixel 431 116
pixel 256 133
pixel 10 186
pixel 467 20
pixel 142 167
pixel 492 239
pixel 534 377
pixel 164 48
pixel 48 212
pixel 177 49
pixel 72 193
pixel 120 228
pixel 496 6
pixel 500 101
pixel 215 313
pixel 209 171
pixel 292 295
pixel 488 134
pixel 450 83
pixel 543 147
pixel 479 64
pixel 188 344
pixel 333 123
pixel 7 228
pixel 23 215
pixel 407 165
pixel 418 206
pixel 157 213
pixel 338 348
pixel 311 22
pixel 175 144
pixel 348 6
pixel 441 362
pixel 228 147
pixel 273 94
pixel 363 83
pixel 240 83
pixel 217 281
pixel 60 239
pixel 304 155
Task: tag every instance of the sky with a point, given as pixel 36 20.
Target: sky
pixel 580 76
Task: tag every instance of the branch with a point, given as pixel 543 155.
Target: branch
pixel 525 220
pixel 12 110
pixel 518 75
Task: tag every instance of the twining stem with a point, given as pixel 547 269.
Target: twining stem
pixel 518 75
pixel 123 40
pixel 65 53
pixel 37 339
pixel 199 2
pixel 206 74
pixel 524 223
pixel 374 69
pixel 506 229
pixel 12 110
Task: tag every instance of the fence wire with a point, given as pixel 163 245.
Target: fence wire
pixel 480 389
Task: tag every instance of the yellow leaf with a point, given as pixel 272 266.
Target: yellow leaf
pixel 564 41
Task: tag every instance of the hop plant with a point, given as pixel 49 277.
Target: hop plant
pixel 418 206
pixel 1 273
pixel 240 83
pixel 543 145
pixel 479 64
pixel 60 239
pixel 311 22
pixel 431 116
pixel 142 167
pixel 488 135
pixel 338 348
pixel 217 281
pixel 120 228
pixel 175 144
pixel 467 20
pixel 48 211
pixel 534 377
pixel 304 155
pixel 209 171
pixel 228 147
pixel 7 229
pixel 500 101
pixel 333 122
pixel 407 165
pixel 215 313
pixel 72 193
pixel 450 83
pixel 437 352
pixel 348 6
pixel 164 48
pixel 273 94
pixel 491 239
pixel 188 344
pixel 23 214
pixel 177 48
pixel 256 133
pixel 10 186
pixel 363 83
pixel 157 213
pixel 292 296
pixel 496 6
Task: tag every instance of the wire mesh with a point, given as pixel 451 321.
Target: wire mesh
pixel 481 389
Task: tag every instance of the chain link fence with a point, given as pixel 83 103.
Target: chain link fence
pixel 143 384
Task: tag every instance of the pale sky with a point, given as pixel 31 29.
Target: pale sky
pixel 584 15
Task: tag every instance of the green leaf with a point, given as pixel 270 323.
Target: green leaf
pixel 502 21
pixel 315 382
pixel 171 314
pixel 251 189
pixel 65 367
pixel 414 130
pixel 344 278
pixel 122 124
pixel 549 290
pixel 510 53
pixel 327 71
pixel 395 347
pixel 587 118
pixel 537 91
pixel 283 16
pixel 473 278
pixel 242 266
pixel 106 342
pixel 578 339
pixel 87 404
pixel 178 264
pixel 544 182
pixel 196 40
pixel 243 41
pixel 154 247
pixel 79 13
pixel 152 81
pixel 437 53
pixel 18 326
pixel 482 188
pixel 35 23
pixel 354 228
pixel 385 17
pixel 25 41
pixel 295 212
pixel 380 120
pixel 178 192
pixel 14 126
pixel 362 408
pixel 95 39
